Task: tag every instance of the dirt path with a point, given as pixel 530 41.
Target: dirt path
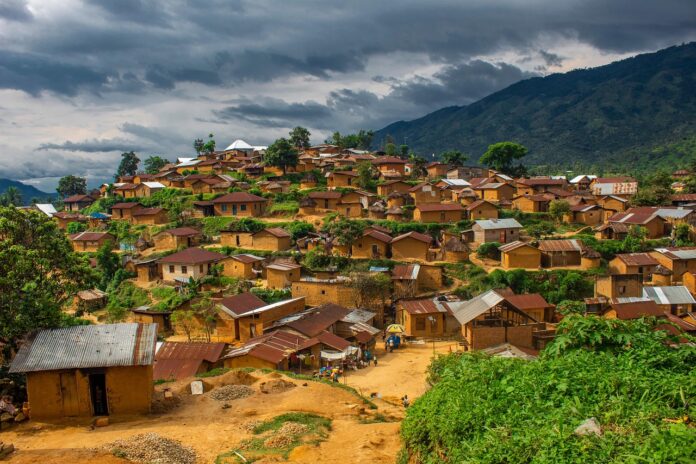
pixel 358 434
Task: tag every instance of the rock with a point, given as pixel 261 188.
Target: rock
pixel 101 421
pixel 6 449
pixel 20 417
pixel 589 427
pixel 6 417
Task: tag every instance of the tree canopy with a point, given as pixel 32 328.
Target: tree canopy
pixel 71 185
pixel 39 273
pixel 299 137
pixel 454 157
pixel 11 197
pixel 501 156
pixel 129 164
pixel 281 154
pixel 154 163
pixel 362 140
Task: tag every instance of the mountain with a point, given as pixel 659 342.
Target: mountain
pixel 28 191
pixel 636 112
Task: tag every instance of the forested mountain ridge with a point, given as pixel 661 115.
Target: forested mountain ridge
pixel 636 112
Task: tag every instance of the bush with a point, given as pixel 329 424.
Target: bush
pixel 75 227
pixel 490 409
pixel 270 295
pixel 489 250
pixel 125 297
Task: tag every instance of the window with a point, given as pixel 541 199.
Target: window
pixel 243 207
pixel 622 289
pixel 323 292
pixel 420 323
pixel 184 270
pixel 223 207
pixel 201 269
pixel 171 268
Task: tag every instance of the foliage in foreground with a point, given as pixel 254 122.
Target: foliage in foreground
pixel 489 410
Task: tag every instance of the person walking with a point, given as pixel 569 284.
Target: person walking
pixel 374 360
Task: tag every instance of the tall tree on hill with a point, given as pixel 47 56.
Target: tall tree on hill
pixel 198 145
pixel 209 146
pixel 558 208
pixel 418 163
pixel 454 157
pixel 390 149
pixel 281 154
pixel 501 156
pixel 107 263
pixel 154 163
pixel 344 231
pixel 129 164
pixel 11 197
pixel 364 139
pixel 299 137
pixel 71 185
pixel 364 170
pixel 40 273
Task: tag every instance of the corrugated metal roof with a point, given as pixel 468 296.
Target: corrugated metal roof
pixel 492 224
pixel 405 271
pixel 528 301
pixel 638 259
pixel 677 294
pixel 467 311
pixel 560 245
pixel 513 246
pixel 678 253
pixel 88 346
pixel 180 360
pixel 421 306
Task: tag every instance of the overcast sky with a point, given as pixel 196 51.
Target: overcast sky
pixel 82 81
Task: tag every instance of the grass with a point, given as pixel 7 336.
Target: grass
pixel 255 448
pixel 214 372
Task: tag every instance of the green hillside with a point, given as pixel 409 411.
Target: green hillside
pixel 28 192
pixel 637 112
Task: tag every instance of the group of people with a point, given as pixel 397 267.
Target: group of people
pixel 333 373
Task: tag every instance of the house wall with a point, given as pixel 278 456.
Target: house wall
pixel 252 209
pixel 349 209
pixel 410 248
pixel 525 258
pixel 428 329
pixel 318 293
pixel 280 279
pixel 484 211
pixel 429 278
pixel 437 216
pixel 495 235
pixel 250 361
pixel 560 258
pixel 192 270
pixel 90 246
pixel 362 248
pixel 269 242
pixel 266 319
pixel 614 286
pixel 129 391
pixel 152 219
pixel 678 266
pixel 234 268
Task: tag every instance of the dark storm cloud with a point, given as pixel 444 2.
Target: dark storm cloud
pixel 139 11
pixel 54 164
pixel 274 112
pixel 95 146
pixel 551 59
pixel 15 10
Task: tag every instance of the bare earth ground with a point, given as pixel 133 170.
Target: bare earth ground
pixel 202 423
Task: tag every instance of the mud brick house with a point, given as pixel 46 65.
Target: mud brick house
pixel 674 299
pixel 150 216
pixel 271 239
pixel 495 191
pixel 422 317
pixel 611 231
pixel 679 260
pixel 635 308
pixel 146 315
pixel 318 291
pixel 411 279
pixel 374 244
pixel 634 263
pixel 519 255
pixel 77 202
pixel 425 193
pixel 390 186
pixel 590 215
pixel 245 316
pixel 244 266
pixel 496 230
pixel 411 245
pixel 267 351
pixel 619 286
pixel 481 209
pixel 537 185
pixel 241 204
pixel 325 200
pixel 189 263
pixel 89 370
pixel 533 304
pixel 63 218
pixel 466 172
pixel 387 164
pixel 180 237
pixel 438 212
pixel 91 241
pixel 343 179
pixel 282 274
pixel 623 187
pixel 125 210
pixel 581 182
pixel 560 253
pixel 436 169
pixel 127 190
pixel 537 203
pixel 489 320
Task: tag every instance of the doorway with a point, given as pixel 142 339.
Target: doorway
pixel 97 391
pixel 68 393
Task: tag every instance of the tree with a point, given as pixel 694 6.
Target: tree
pixel 75 227
pixel 71 185
pixel 205 310
pixel 198 145
pixel 11 197
pixel 418 163
pixel 39 273
pixel 129 164
pixel 184 319
pixel 635 239
pixel 403 151
pixel 299 137
pixel 209 146
pixel 154 164
pixel 454 157
pixel 500 156
pixel 364 139
pixel 558 208
pixel 390 149
pixel 369 290
pixel 343 230
pixel 682 235
pixel 108 263
pixel 365 175
pixel 567 307
pixel 281 154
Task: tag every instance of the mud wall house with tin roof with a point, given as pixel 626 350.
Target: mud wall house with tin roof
pixel 271 239
pixel 496 230
pixel 632 308
pixel 533 304
pixel 180 237
pixel 125 211
pixel 679 260
pixel 538 185
pixel 437 169
pixel 495 191
pixel 411 245
pixel 244 266
pixel 91 241
pixel 63 218
pixel 519 255
pixel 312 322
pixel 374 244
pixel 634 263
pixel 624 187
pixel 560 253
pixel 147 315
pixel 422 317
pixel 77 202
pixel 466 172
pixel 150 216
pixel 589 215
pixel 239 204
pixel 438 212
pixel 189 263
pixel 674 299
pixel 390 186
pixel 282 274
pixel 611 231
pixel 481 209
pixel 526 203
pixel 267 351
pixel 342 179
pixel 244 317
pixel 488 320
pixel 387 164
pixel 178 360
pixel 425 193
pixel 409 280
pixel 318 291
pixel 326 201
pixel 619 286
pixel 89 370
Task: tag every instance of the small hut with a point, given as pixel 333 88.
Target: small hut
pixel 309 181
pixel 377 211
pixel 395 214
pixel 89 300
pixel 396 200
pixel 662 276
pixel 454 250
pixel 308 206
pixel 590 259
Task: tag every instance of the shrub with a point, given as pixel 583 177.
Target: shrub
pixel 125 297
pixel 489 250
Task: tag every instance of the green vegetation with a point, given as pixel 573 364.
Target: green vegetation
pixel 489 250
pixel 168 299
pixel 489 409
pixel 287 208
pixel 635 114
pixel 125 297
pixel 218 371
pixel 270 295
pixel 71 185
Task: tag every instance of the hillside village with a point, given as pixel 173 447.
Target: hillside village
pixel 323 260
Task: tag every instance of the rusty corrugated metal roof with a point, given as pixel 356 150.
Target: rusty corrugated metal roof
pixel 180 360
pixel 560 245
pixel 88 346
